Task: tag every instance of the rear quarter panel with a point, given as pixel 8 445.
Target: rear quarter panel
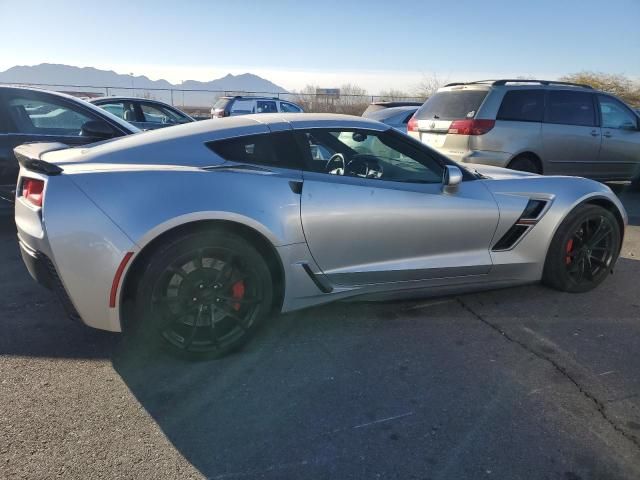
pixel 145 203
pixel 85 246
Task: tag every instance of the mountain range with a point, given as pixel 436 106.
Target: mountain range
pixel 64 77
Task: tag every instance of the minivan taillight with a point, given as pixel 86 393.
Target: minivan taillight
pixel 412 125
pixel 470 127
pixel 32 191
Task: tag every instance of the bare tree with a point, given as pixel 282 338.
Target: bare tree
pixel 305 98
pixel 429 85
pixel 393 94
pixel 352 100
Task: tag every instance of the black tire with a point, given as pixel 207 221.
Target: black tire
pixel 583 250
pixel 525 163
pixel 203 294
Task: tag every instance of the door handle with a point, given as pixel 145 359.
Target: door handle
pixel 594 133
pixel 295 186
pixel 608 134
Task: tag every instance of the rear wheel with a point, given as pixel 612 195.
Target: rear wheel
pixel 204 294
pixel 583 250
pixel 525 163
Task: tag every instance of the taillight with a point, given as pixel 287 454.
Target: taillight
pixel 470 127
pixel 412 126
pixel 32 191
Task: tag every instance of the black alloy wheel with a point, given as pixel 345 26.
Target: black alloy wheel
pixel 204 294
pixel 590 250
pixel 584 249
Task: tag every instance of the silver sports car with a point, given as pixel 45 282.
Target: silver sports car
pixel 200 231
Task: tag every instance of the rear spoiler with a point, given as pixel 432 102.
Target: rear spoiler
pixel 29 156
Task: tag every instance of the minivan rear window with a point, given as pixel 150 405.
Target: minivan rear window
pixel 452 105
pixel 221 103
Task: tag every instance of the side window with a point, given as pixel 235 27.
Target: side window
pixel 522 106
pixel 3 117
pixel 242 107
pixel 570 108
pixel 37 114
pixel 614 114
pixel 157 114
pixel 272 149
pixel 123 110
pixel 266 106
pixel 368 154
pixel 289 107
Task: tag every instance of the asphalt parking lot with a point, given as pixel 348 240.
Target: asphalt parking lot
pixel 523 383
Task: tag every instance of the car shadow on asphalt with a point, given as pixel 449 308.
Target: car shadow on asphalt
pixel 255 412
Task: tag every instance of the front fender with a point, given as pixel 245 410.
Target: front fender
pixel 528 257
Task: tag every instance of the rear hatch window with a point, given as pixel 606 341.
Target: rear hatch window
pixel 452 105
pixel 435 117
pixel 219 108
pixel 372 108
pixel 221 103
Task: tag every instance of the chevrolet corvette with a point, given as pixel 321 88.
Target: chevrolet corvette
pixel 197 233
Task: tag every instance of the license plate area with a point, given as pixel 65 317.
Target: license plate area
pixel 435 140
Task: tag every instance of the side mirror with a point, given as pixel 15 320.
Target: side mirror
pixel 97 129
pixel 451 178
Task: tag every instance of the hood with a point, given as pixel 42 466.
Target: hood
pixel 497 173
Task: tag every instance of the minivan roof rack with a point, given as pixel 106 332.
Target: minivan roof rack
pixel 504 81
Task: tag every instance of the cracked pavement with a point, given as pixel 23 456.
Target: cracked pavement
pixel 521 383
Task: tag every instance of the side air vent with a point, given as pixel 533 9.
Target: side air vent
pixel 510 238
pixel 532 213
pixel 533 210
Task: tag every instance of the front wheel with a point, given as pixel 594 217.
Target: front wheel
pixel 583 250
pixel 204 294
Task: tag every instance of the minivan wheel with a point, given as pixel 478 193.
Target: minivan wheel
pixel 203 294
pixel 524 163
pixel 583 250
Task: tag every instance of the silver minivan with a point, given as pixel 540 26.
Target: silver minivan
pixel 539 126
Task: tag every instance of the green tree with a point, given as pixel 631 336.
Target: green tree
pixel 617 84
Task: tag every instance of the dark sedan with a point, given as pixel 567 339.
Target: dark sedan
pixel 33 115
pixel 143 113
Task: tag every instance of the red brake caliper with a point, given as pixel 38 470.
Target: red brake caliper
pixel 237 292
pixel 567 259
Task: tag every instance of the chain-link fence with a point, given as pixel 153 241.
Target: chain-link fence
pixel 198 102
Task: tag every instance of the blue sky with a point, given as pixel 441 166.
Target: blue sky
pixel 378 44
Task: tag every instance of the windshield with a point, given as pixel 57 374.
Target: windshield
pixel 452 105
